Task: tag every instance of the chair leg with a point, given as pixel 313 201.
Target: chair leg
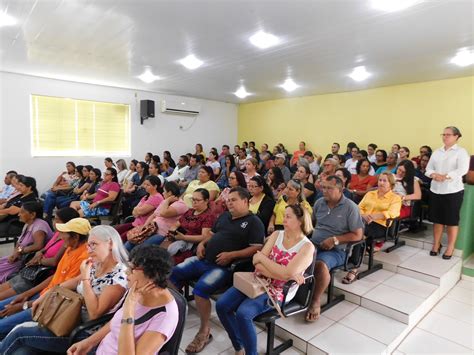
pixel 371 267
pixel 332 301
pixel 271 339
pixel 187 293
pixel 398 243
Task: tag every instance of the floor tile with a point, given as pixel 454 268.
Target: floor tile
pixel 423 342
pixel 423 263
pixel 465 284
pixel 339 339
pixel 374 325
pixel 462 295
pixel 396 257
pixel 219 343
pixel 413 286
pixel 297 326
pixel 449 328
pixel 396 299
pixel 359 287
pixel 455 309
pixel 340 310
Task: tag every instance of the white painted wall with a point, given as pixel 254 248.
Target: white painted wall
pixel 216 125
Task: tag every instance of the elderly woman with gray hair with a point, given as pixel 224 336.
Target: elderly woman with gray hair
pixel 102 283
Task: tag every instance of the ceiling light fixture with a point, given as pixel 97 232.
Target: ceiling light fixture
pixel 191 62
pixel 6 20
pixel 393 5
pixel 359 73
pixel 147 76
pixel 289 85
pixel 241 93
pixel 264 40
pixel 463 58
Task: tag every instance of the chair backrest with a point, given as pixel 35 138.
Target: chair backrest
pixel 172 346
pixel 303 295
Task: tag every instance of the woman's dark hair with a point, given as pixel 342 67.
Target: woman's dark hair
pixel 172 187
pixel 208 171
pixel 150 155
pixel 347 175
pixel 154 180
pixel 109 160
pixel 134 161
pixel 145 171
pixel 351 145
pixel 240 179
pixel 430 151
pixel 71 163
pixel 363 153
pixel 359 164
pixel 204 193
pixel 79 170
pixel 114 174
pixel 373 146
pixel 88 167
pixel 93 185
pixel 155 262
pixel 384 153
pixel 214 152
pixel 306 168
pixel 200 147
pixel 409 178
pixel 98 173
pixel 29 181
pixel 260 181
pixel 257 153
pixel 407 150
pixel 167 156
pixel 232 161
pixel 277 177
pixel 34 207
pixel 66 214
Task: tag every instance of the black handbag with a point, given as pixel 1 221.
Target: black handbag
pixel 36 273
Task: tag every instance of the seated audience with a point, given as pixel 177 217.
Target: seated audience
pixel 293 195
pixel 122 170
pixel 205 180
pixel 276 181
pixel 391 166
pixel 193 227
pixel 165 168
pixel 380 159
pixel 191 173
pixel 375 208
pixel 345 176
pixel 147 205
pixel 109 163
pixel 335 151
pixel 224 152
pixel 134 190
pixel 424 150
pixel 148 158
pixel 148 272
pixel 251 166
pixel 313 164
pixel 213 163
pixel 348 155
pixel 180 169
pixel 127 179
pixel 329 168
pixel 200 151
pixel 36 233
pixel 101 203
pixel 240 160
pixel 407 186
pixel 102 282
pixel 227 169
pixel 421 171
pixel 74 233
pixel 403 153
pixel 64 181
pixel 362 181
pixel 236 234
pixel 338 222
pixel 395 149
pixel 285 256
pixel 167 156
pixel 9 211
pixel 303 174
pixel 310 193
pixel 8 189
pixel 371 153
pixel 89 194
pixel 236 178
pixel 351 163
pixel 280 162
pixel 48 256
pixel 297 154
pixel 262 202
pixel 165 216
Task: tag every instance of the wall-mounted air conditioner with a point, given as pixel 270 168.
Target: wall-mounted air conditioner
pixel 186 107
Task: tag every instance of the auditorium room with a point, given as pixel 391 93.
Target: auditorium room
pixel 243 177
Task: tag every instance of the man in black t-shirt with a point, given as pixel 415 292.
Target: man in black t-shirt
pixel 236 234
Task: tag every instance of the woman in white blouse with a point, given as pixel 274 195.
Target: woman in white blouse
pixel 446 167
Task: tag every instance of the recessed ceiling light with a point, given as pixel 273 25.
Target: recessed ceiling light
pixel 393 5
pixel 147 76
pixel 463 58
pixel 191 62
pixel 264 40
pixel 289 85
pixel 359 73
pixel 6 20
pixel 241 93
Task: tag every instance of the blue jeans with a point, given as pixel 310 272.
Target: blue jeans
pixel 236 312
pixel 49 202
pixel 154 239
pixel 212 277
pixel 332 258
pixel 8 323
pixel 65 201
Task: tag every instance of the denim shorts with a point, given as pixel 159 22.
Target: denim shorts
pixel 332 258
pixel 88 212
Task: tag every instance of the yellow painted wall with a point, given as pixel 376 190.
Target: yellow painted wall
pixel 411 115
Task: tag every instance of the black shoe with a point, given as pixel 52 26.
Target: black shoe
pixel 435 253
pixel 447 257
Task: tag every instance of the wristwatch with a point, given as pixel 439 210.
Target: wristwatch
pixel 127 321
pixel 26 305
pixel 336 241
pixel 20 249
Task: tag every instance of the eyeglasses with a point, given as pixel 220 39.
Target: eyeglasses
pixel 92 245
pixel 106 173
pixel 446 134
pixel 232 178
pixel 328 187
pixel 196 199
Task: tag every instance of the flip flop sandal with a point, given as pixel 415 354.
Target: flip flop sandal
pixel 350 277
pixel 312 315
pixel 199 343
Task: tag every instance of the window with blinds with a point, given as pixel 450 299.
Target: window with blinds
pixel 69 127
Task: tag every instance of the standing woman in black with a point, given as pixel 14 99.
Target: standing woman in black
pixel 446 167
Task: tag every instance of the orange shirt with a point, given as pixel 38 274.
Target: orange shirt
pixel 296 155
pixel 361 184
pixel 69 266
pixel 389 204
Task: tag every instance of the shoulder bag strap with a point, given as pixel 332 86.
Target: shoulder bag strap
pixel 150 314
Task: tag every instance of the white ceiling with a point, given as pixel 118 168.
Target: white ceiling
pixel 111 41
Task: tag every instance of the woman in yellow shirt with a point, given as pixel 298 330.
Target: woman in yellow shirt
pixel 292 195
pixel 376 208
pixel 204 180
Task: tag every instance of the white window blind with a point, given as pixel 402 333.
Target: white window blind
pixel 69 127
